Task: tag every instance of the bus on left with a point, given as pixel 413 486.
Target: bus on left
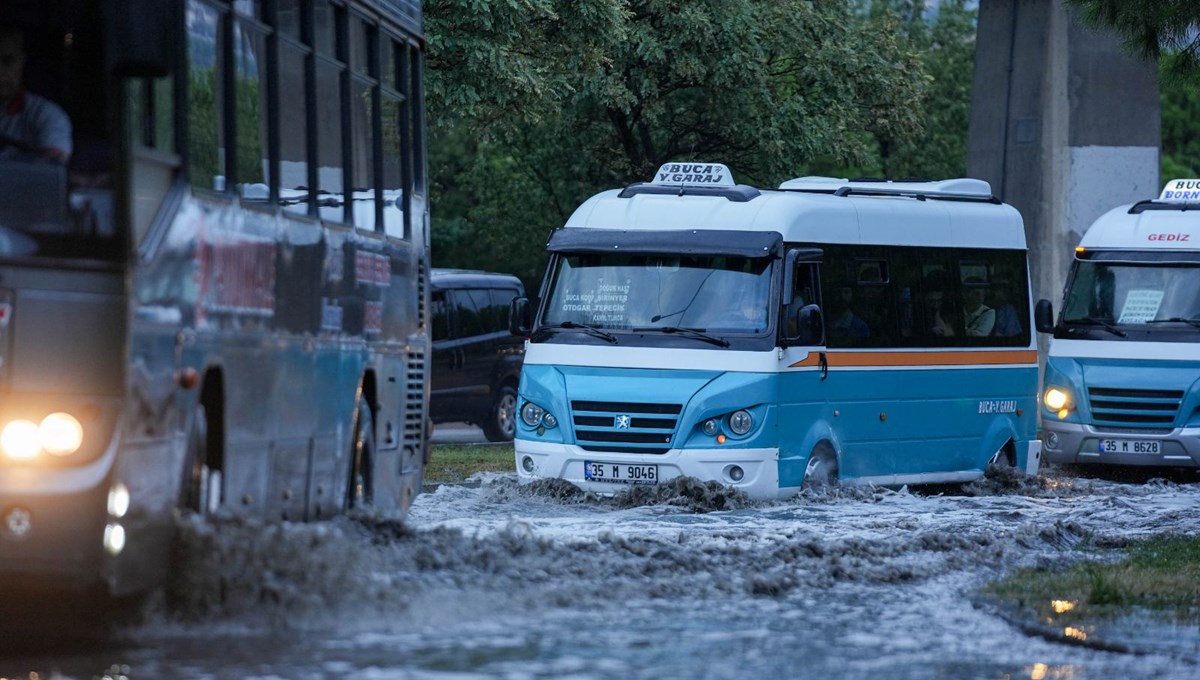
pixel 213 273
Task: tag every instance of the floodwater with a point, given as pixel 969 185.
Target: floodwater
pixel 497 580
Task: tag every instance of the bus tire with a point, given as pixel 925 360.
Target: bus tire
pixel 202 492
pixel 1005 456
pixel 361 490
pixel 821 471
pixel 501 424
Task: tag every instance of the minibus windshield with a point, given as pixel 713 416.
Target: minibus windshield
pixel 1139 293
pixel 649 293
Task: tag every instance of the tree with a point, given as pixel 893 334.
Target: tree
pixel 945 39
pixel 1180 105
pixel 535 105
pixel 1169 32
pixel 1152 27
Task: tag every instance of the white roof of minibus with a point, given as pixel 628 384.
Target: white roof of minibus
pixel 802 215
pixel 1149 229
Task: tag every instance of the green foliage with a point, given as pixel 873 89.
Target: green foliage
pixel 206 140
pixel 1151 27
pixel 1180 104
pixel 202 127
pixel 536 104
pixel 455 463
pixel 1160 574
pixel 1168 31
pixel 946 44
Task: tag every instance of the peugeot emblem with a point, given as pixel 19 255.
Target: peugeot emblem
pixel 622 422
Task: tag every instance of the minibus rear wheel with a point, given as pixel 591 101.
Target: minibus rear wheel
pixel 1005 456
pixel 821 471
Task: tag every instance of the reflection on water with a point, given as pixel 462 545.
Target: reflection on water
pixel 520 582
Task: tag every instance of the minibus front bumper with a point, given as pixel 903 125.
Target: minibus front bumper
pixel 1075 443
pixel 752 470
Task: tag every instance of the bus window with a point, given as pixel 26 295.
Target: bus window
pixel 250 92
pixel 331 187
pixel 395 146
pixel 206 129
pixel 362 107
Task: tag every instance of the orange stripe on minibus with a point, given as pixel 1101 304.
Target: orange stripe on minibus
pixel 888 359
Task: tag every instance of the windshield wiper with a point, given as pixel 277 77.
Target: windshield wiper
pixel 697 333
pixel 1194 323
pixel 591 330
pixel 1097 322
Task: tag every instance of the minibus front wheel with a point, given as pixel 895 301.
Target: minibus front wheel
pixel 821 471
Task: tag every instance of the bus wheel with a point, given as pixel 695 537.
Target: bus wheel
pixel 501 424
pixel 1003 457
pixel 821 471
pixel 362 459
pixel 202 484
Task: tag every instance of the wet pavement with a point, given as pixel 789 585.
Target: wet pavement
pixel 498 580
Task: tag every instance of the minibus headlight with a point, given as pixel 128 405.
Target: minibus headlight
pixel 531 414
pixel 1056 399
pixel 740 422
pixel 19 440
pixel 60 434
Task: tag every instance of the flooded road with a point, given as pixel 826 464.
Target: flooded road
pixel 496 580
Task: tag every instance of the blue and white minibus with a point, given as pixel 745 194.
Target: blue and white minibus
pixel 1122 381
pixel 773 339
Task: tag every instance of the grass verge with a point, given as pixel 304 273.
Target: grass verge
pixel 454 463
pixel 1159 576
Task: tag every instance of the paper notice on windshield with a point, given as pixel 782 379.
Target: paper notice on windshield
pixel 1140 306
pixel 603 305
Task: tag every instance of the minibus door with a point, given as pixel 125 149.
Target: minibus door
pixel 803 366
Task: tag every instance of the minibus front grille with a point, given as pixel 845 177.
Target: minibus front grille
pixel 624 427
pixel 1134 408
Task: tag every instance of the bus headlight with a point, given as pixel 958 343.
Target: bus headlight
pixel 740 422
pixel 531 414
pixel 19 440
pixel 60 434
pixel 1056 399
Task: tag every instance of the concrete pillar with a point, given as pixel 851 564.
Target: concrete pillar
pixel 1065 125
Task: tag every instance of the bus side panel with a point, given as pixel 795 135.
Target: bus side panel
pixel 804 416
pixel 923 420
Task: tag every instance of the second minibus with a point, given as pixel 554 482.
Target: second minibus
pixel 1122 382
pixel 863 331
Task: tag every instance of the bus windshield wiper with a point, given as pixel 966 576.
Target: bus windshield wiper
pixel 591 330
pixel 697 333
pixel 1194 323
pixel 1106 325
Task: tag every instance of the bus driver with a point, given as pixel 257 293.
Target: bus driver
pixel 30 126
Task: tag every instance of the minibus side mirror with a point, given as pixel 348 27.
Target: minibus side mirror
pixel 143 36
pixel 1043 316
pixel 810 328
pixel 520 321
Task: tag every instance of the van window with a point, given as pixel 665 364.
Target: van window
pixel 498 313
pixel 441 315
pixel 471 307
